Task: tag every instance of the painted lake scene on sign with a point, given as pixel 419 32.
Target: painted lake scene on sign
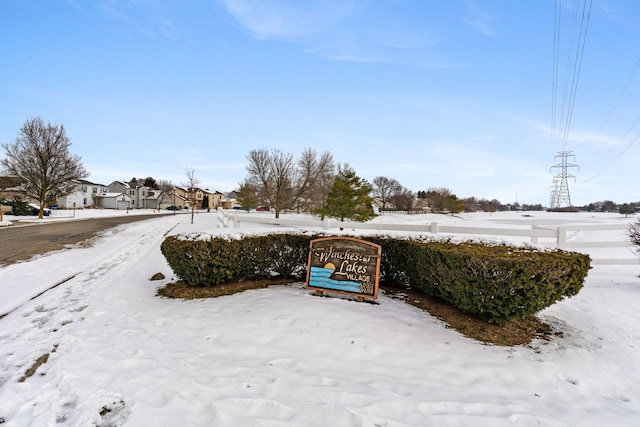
pixel 345 265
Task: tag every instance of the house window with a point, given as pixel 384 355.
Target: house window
pixel 94 190
pixel 84 188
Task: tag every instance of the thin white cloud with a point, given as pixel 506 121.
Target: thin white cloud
pixel 422 168
pixel 276 19
pixel 407 41
pixel 147 17
pixel 592 138
pixel 342 30
pixel 479 19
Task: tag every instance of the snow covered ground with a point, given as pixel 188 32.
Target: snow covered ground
pixel 118 355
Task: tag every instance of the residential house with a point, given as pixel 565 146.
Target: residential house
pixel 158 199
pixel 230 201
pixel 83 195
pixel 422 204
pixel 12 187
pixel 178 197
pixel 184 197
pixel 137 192
pixel 214 199
pixel 114 200
pixel 204 199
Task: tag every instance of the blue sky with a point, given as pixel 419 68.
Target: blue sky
pixel 455 94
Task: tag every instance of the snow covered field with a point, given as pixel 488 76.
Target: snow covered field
pixel 118 355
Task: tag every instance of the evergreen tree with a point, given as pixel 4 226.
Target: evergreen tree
pixel 247 195
pixel 453 204
pixel 349 197
pixel 151 183
pixel 626 209
pixel 18 207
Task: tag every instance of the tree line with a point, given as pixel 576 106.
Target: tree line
pixel 312 182
pixel 315 183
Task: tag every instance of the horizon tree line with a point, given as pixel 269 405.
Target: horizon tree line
pixel 40 156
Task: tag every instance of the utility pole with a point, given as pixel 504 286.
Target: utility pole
pixel 560 192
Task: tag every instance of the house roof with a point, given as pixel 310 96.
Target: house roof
pixel 155 194
pixel 11 183
pixel 121 183
pixel 85 182
pixel 176 194
pixel 179 189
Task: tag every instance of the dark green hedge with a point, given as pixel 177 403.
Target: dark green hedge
pixel 497 282
pixel 217 260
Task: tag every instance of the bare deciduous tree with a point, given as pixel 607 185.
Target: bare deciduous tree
pixel 192 190
pixel 285 184
pixel 313 179
pixel 40 157
pixel 436 197
pixel 165 185
pixel 385 188
pixel 403 199
pixel 272 173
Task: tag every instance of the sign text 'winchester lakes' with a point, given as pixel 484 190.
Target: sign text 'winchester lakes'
pixel 344 265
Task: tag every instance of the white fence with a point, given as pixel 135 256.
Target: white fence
pixel 556 236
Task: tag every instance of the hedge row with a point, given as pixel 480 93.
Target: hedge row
pixel 497 282
pixel 218 260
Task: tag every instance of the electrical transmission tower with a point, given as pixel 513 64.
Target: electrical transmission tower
pixel 560 197
pixel 553 197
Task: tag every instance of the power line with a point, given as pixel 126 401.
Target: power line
pixel 556 52
pixel 577 66
pixel 560 191
pixel 560 196
pixel 633 141
pixel 623 92
pixel 635 122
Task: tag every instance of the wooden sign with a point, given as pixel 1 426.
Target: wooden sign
pixel 344 265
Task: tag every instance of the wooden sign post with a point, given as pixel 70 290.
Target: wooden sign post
pixel 344 265
pixel 4 209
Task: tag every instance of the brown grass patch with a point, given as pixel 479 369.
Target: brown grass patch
pixel 515 332
pixel 34 367
pixel 182 291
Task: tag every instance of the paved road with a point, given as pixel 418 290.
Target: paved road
pixel 21 242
